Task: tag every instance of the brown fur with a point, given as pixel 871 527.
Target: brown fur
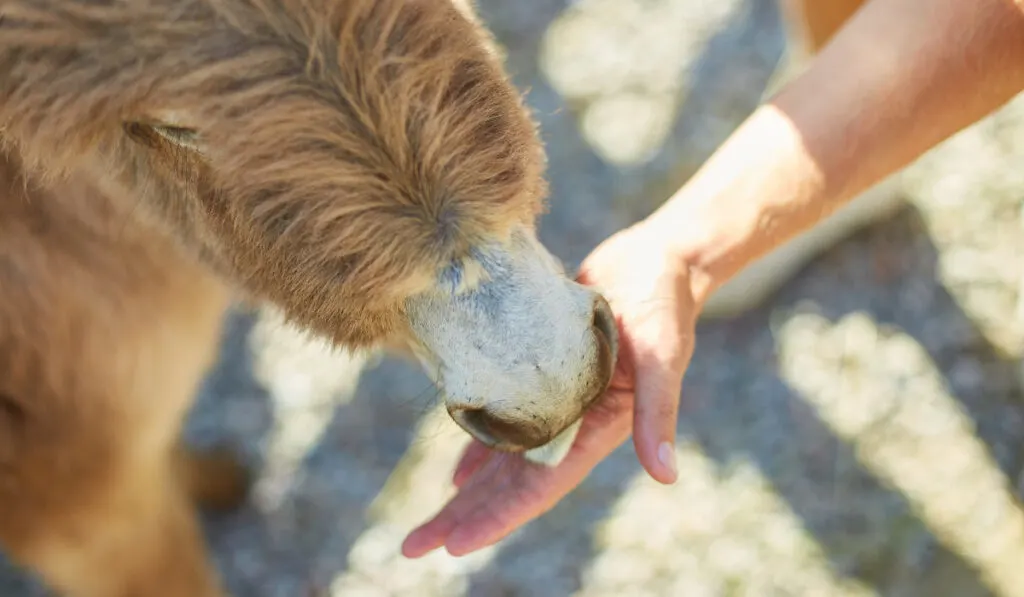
pixel 345 151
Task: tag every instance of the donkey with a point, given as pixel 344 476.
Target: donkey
pixel 364 165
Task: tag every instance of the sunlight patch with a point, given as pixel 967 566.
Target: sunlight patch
pixel 625 64
pixel 307 380
pixel 416 487
pixel 879 390
pixel 721 526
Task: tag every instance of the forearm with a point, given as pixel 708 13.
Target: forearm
pixel 902 76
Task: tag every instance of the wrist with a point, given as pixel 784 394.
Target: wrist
pixel 758 190
pixel 688 251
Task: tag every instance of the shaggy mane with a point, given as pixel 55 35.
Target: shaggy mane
pixel 370 139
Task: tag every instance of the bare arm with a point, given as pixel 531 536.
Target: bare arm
pixel 899 78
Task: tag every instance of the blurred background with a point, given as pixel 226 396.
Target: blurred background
pixel 860 432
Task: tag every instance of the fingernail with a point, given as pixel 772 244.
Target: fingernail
pixel 667 457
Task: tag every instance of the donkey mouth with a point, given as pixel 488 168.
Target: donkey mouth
pixel 498 433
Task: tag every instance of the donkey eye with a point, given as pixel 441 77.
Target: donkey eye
pixel 178 135
pixel 149 135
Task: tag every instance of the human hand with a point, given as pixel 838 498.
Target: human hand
pixel 656 302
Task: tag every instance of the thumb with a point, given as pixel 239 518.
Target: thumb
pixel 659 380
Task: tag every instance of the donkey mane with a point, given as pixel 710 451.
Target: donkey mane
pixel 393 139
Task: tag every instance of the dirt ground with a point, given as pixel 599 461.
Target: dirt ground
pixel 861 433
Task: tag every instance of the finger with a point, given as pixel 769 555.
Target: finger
pixel 511 502
pixel 473 457
pixel 427 538
pixel 506 492
pixel 490 506
pixel 658 385
pixel 486 485
pixel 433 533
pixel 537 489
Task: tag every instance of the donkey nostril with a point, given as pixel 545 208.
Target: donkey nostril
pixel 606 331
pixel 604 322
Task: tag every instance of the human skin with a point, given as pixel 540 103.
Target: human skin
pixel 899 78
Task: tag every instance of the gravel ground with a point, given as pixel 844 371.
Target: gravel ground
pixel 859 434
